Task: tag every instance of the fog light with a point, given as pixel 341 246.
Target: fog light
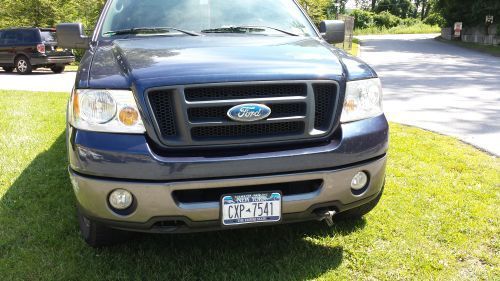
pixel 120 199
pixel 359 181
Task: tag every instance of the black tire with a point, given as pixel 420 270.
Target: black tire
pixel 97 235
pixel 23 65
pixel 58 68
pixel 359 212
pixel 8 69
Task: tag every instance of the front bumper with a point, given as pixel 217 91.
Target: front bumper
pixel 158 211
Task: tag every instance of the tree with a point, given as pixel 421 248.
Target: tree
pixel 47 13
pixel 400 8
pixel 470 12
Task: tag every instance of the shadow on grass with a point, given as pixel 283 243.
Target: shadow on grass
pixel 39 240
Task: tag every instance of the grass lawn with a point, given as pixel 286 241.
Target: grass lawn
pixel 438 218
pixel 489 49
pixel 72 67
pixel 402 29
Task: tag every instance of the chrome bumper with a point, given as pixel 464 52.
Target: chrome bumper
pixel 155 202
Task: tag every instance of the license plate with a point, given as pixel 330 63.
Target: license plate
pixel 251 208
pixel 59 49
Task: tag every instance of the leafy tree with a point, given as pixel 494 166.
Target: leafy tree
pixel 470 12
pixel 400 8
pixel 47 13
pixel 317 9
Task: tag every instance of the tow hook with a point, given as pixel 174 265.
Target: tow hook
pixel 327 216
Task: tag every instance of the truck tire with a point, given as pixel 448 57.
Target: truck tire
pixel 23 65
pixel 8 69
pixel 358 212
pixel 58 68
pixel 97 235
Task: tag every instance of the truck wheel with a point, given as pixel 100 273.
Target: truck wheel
pixel 8 69
pixel 358 212
pixel 58 68
pixel 23 65
pixel 97 235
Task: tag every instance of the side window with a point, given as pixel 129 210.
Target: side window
pixel 10 37
pixel 27 36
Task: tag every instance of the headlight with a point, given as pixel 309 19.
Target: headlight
pixel 363 99
pixel 111 111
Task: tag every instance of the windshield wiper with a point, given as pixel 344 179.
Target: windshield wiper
pixel 149 30
pixel 245 29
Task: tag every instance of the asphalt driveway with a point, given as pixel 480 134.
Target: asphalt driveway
pixel 438 86
pixel 39 80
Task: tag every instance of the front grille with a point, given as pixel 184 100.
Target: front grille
pixel 196 116
pixel 247 131
pixel 204 114
pixel 324 96
pixel 163 109
pixel 244 92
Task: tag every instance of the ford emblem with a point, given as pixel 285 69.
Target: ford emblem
pixel 249 112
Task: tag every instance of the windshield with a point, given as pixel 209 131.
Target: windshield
pixel 273 16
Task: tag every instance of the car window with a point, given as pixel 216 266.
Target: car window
pixel 48 36
pixel 10 37
pixel 27 36
pixel 198 15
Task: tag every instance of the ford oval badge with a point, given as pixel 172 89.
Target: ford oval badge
pixel 249 112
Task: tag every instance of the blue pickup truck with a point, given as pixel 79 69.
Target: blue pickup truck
pixel 198 115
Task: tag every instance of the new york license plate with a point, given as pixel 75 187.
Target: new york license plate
pixel 251 208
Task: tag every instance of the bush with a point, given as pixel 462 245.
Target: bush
pixel 387 20
pixel 435 19
pixel 362 19
pixel 410 22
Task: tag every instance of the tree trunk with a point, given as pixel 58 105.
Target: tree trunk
pixel 374 3
pixel 417 4
pixel 424 6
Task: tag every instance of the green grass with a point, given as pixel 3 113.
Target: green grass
pixel 72 67
pixel 402 29
pixel 489 49
pixel 438 218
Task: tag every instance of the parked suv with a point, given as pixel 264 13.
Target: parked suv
pixel 192 115
pixel 26 49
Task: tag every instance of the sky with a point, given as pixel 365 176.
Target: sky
pixel 350 4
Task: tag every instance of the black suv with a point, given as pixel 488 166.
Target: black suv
pixel 27 49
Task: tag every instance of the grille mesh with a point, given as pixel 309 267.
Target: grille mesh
pixel 245 92
pixel 220 113
pixel 324 95
pixel 162 105
pixel 254 130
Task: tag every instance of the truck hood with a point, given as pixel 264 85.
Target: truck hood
pixel 160 61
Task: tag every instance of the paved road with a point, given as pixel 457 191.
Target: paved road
pixel 40 80
pixel 439 87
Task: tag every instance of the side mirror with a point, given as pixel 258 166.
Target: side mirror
pixel 333 31
pixel 71 36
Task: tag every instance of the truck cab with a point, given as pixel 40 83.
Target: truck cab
pixel 199 115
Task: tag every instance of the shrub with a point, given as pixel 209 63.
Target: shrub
pixel 362 19
pixel 410 22
pixel 387 20
pixel 435 19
